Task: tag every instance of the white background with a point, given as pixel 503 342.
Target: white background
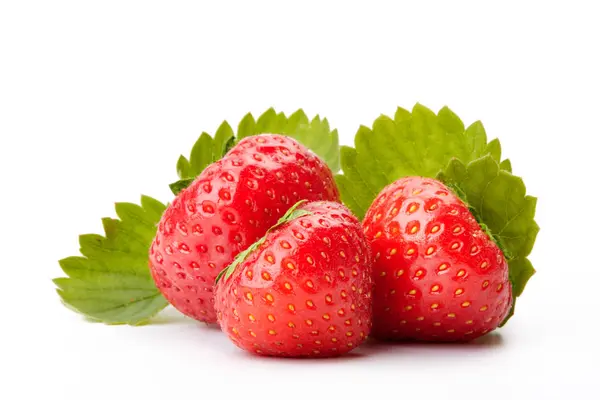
pixel 98 99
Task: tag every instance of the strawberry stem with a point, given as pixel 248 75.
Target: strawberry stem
pixel 291 214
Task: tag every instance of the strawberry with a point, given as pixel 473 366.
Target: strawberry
pixel 304 290
pixel 228 207
pixel 438 275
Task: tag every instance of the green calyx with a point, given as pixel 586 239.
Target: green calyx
pixel 290 215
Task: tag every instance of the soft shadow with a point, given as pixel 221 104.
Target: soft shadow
pixel 164 319
pixel 373 349
pixel 354 355
pixel 171 316
pixel 488 342
pixel 182 320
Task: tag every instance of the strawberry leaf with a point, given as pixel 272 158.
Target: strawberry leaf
pixel 417 143
pixel 422 143
pixel 111 282
pixel 314 134
pixel 499 201
pixel 181 184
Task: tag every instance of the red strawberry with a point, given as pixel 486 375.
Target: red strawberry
pixel 228 207
pixel 303 292
pixel 438 276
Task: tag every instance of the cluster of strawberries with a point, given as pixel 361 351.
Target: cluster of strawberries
pixel 297 275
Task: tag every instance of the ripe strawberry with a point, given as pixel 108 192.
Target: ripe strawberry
pixel 303 292
pixel 438 276
pixel 228 207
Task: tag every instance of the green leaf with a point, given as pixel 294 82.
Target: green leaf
pixel 450 121
pixel 177 187
pixel 111 281
pixel 183 167
pixel 506 165
pixel 246 127
pixel 422 143
pixel 499 201
pixel 412 143
pixel 315 134
pixel 202 154
pixel 494 150
pixel 291 214
pixel 223 138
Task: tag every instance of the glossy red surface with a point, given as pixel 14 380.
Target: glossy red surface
pixel 437 275
pixel 228 207
pixel 306 292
